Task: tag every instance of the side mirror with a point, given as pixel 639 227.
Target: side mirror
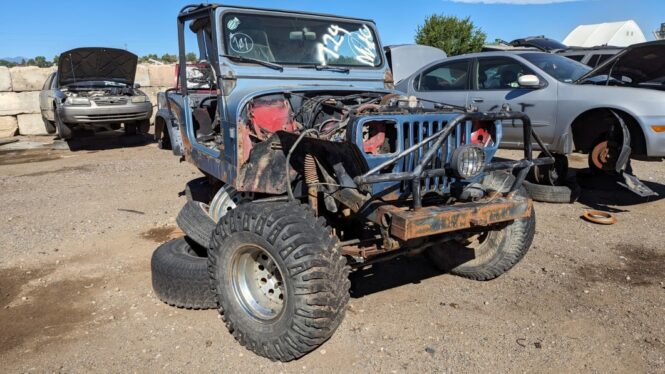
pixel 137 86
pixel 528 81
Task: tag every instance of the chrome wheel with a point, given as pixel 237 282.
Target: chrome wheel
pixel 226 199
pixel 257 283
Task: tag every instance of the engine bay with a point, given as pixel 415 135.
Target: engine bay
pixel 91 92
pixel 328 115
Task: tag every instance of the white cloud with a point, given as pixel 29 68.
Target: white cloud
pixel 514 2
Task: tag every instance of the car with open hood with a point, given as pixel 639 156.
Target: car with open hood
pixel 612 113
pixel 94 88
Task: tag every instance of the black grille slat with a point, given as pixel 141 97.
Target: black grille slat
pixel 416 131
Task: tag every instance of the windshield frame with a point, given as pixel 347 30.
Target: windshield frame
pixel 221 30
pixel 573 80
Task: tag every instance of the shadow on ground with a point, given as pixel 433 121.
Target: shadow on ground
pixel 603 192
pixel 391 274
pixel 105 140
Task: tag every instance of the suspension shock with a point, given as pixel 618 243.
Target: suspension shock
pixel 312 180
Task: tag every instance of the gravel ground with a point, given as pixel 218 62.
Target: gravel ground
pixel 79 227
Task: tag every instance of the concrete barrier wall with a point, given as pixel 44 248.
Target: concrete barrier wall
pixel 20 87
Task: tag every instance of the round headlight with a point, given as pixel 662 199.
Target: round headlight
pixel 468 161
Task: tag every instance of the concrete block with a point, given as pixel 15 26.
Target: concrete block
pixel 13 103
pixel 29 78
pixel 31 124
pixel 162 75
pixel 8 126
pixel 5 79
pixel 142 75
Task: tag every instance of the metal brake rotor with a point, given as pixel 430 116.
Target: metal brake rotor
pixel 604 156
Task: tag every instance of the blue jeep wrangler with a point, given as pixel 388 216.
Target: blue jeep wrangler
pixel 318 168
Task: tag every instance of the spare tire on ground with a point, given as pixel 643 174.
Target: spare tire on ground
pixel 199 189
pixel 565 194
pixel 194 221
pixel 180 275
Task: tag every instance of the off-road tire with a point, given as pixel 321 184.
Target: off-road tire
pixel 180 275
pixel 508 243
pixel 314 274
pixel 566 194
pixel 195 222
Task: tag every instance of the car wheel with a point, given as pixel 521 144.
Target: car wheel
pixel 281 283
pixel 180 275
pixel 486 255
pixel 551 175
pixel 143 127
pixel 63 130
pixel 131 128
pixel 49 126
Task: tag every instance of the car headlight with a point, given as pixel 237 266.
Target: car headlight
pixel 77 101
pixel 468 161
pixel 139 99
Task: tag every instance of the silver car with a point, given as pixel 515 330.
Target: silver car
pixel 94 88
pixel 606 112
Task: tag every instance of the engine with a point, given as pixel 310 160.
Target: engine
pixel 329 116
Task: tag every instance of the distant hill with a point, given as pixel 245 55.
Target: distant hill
pixel 16 60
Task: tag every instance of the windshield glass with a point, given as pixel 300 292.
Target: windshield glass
pixel 294 40
pixel 543 43
pixel 560 68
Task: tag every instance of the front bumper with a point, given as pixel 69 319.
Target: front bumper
pixel 129 112
pixel 406 224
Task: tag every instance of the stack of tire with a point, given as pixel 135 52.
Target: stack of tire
pixel 236 267
pixel 550 184
pixel 180 267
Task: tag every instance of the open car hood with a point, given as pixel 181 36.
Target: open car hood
pixel 640 63
pixel 97 64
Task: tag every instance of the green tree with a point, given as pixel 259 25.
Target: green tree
pixel 149 57
pixel 169 59
pixel 41 62
pixel 453 35
pixel 191 57
pixel 56 58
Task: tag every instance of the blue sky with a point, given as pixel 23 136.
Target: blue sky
pixel 45 27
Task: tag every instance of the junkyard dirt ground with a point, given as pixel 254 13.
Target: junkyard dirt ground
pixel 78 229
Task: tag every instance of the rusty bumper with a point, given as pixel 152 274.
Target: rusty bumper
pixel 408 224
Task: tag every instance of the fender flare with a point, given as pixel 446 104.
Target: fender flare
pixel 164 122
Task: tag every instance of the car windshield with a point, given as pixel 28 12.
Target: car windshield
pixel 544 43
pixel 560 68
pixel 298 40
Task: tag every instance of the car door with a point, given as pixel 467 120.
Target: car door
pixel 495 83
pixel 46 98
pixel 447 83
